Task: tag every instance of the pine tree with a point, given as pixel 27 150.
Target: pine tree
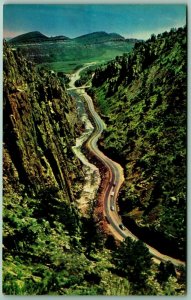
pixel 133 259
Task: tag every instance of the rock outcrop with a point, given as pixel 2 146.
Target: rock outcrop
pixel 40 126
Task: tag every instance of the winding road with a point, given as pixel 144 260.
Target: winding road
pixel 116 178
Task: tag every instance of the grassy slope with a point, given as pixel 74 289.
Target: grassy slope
pixel 144 99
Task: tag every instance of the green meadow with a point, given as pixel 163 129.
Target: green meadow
pixel 69 55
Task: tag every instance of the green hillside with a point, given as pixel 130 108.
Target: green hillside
pixel 143 98
pixel 30 37
pixel 35 37
pixel 99 37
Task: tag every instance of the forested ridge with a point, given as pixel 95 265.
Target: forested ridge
pixel 49 248
pixel 143 98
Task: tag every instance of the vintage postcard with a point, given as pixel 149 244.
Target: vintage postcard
pixel 94 149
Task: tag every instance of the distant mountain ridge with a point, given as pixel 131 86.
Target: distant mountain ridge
pixel 100 37
pixel 35 37
pixel 94 37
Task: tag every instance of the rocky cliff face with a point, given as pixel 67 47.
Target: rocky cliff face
pixel 40 127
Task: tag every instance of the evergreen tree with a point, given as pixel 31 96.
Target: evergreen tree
pixel 132 258
pixel 165 271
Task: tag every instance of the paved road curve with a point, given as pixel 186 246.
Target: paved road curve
pixel 115 180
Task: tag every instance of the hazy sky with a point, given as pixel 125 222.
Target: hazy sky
pixel 138 21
